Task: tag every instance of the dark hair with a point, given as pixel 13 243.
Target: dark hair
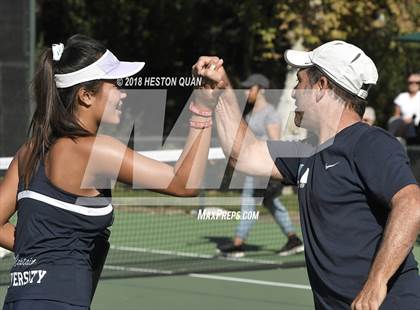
pixel 350 100
pixel 54 115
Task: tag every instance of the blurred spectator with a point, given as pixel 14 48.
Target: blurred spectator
pixel 406 119
pixel 370 116
pixel 264 122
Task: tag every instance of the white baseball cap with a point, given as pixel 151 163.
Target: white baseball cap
pixel 344 63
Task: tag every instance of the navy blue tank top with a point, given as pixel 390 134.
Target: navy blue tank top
pixel 54 240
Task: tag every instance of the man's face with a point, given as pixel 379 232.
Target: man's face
pixel 413 83
pixel 303 93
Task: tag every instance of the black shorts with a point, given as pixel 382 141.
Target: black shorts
pixel 41 304
pixel 403 294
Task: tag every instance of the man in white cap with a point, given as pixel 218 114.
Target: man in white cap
pixel 359 201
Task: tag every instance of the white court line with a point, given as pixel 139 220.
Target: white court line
pixel 187 254
pixel 139 270
pixel 251 281
pixel 163 252
pixel 199 275
pixel 211 277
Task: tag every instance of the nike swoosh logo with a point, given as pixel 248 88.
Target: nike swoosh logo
pixel 330 166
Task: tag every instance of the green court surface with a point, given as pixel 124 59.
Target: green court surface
pixel 163 257
pixel 173 243
pixel 218 292
pixel 269 289
pixel 170 240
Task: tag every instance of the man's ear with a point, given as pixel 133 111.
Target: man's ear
pixel 322 86
pixel 85 98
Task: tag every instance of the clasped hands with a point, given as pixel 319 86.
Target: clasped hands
pixel 214 80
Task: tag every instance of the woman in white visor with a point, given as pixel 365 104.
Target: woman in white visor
pixel 57 234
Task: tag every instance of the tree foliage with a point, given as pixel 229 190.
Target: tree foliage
pixel 372 25
pixel 250 35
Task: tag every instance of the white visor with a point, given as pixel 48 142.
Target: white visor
pixel 108 67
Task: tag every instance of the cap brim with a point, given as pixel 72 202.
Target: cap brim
pixel 298 59
pixel 124 69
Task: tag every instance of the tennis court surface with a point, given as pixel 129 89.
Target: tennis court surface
pixel 163 257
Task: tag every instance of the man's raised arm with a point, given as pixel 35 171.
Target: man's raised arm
pixel 247 153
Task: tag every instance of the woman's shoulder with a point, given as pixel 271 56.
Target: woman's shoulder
pixel 79 144
pixel 84 146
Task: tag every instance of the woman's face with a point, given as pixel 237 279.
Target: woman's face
pixel 108 103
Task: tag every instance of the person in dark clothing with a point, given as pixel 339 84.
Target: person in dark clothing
pixel 359 201
pixel 60 239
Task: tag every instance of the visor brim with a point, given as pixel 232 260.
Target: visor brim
pixel 124 69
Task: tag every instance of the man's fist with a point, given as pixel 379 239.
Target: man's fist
pixel 210 68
